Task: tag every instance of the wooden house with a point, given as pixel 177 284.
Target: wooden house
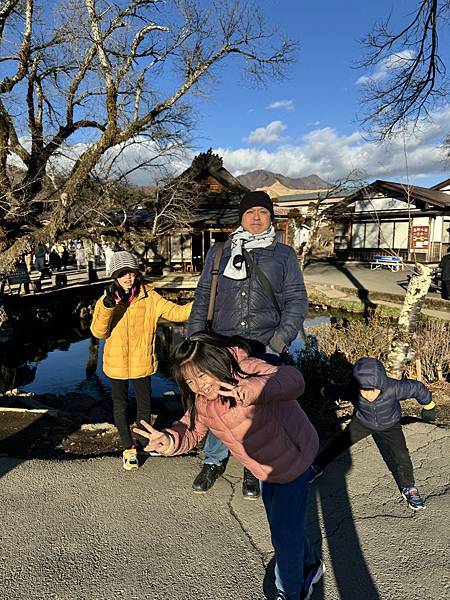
pixel 214 218
pixel 386 217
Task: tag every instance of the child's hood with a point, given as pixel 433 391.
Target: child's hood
pixel 369 373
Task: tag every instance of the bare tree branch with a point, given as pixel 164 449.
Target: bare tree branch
pixel 410 74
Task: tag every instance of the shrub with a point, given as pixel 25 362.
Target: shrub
pixel 432 347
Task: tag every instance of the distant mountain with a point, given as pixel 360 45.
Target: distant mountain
pixel 265 179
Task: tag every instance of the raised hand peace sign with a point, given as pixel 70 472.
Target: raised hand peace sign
pixel 158 440
pixel 239 392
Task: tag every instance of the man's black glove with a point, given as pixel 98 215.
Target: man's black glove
pixel 109 300
pixel 429 414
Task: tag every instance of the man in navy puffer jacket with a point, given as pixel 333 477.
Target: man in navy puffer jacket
pixel 244 307
pixel 376 398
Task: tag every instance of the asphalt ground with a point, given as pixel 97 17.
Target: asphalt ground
pixel 87 529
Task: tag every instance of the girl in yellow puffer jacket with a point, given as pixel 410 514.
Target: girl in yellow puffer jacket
pixel 126 316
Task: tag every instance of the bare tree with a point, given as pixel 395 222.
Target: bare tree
pixel 411 73
pixel 107 74
pixel 316 215
pixel 135 217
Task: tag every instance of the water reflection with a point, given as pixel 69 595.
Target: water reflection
pixel 75 366
pixel 79 369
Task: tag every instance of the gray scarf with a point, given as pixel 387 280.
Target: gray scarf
pixel 241 239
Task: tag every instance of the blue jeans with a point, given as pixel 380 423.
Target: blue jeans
pixel 285 505
pixel 215 451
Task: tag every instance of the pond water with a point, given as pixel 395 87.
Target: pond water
pixel 64 371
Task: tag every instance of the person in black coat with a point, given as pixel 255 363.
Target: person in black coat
pixel 376 398
pixel 268 319
pixel 444 265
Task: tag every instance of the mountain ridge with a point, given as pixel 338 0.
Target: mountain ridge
pixel 261 178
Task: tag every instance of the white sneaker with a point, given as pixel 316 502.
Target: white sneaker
pixel 130 460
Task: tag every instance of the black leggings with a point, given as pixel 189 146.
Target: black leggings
pixel 142 389
pixel 392 438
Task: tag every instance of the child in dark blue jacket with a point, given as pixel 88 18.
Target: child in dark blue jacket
pixel 376 398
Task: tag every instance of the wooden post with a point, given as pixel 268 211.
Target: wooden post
pixel 418 369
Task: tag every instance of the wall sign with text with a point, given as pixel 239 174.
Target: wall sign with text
pixel 420 237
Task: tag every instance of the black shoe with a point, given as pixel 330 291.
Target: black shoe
pixel 207 477
pixel 250 485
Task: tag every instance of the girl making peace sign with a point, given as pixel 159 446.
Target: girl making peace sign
pixel 252 408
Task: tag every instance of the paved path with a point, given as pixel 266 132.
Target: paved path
pixel 87 530
pixel 347 281
pixel 359 276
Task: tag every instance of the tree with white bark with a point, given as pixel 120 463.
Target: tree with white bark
pixel 90 77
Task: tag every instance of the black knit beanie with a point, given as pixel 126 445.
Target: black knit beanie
pixel 251 199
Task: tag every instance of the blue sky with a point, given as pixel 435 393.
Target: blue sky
pixel 315 127
pixel 307 123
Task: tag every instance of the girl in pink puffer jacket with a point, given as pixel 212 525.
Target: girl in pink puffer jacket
pixel 252 408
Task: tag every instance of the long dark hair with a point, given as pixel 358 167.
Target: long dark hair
pixel 210 353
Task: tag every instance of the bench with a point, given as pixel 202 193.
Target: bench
pixel 394 263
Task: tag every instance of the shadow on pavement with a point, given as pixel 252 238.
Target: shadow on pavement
pixel 330 502
pixel 363 293
pixel 330 515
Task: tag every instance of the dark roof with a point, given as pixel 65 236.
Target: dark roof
pixel 312 196
pixel 207 163
pixel 399 191
pixel 218 208
pixel 441 185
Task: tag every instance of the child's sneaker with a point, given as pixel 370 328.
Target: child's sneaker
pixel 316 472
pixel 280 595
pixel 412 497
pixel 313 576
pixel 130 460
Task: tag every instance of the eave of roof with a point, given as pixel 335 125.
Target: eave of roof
pixel 396 190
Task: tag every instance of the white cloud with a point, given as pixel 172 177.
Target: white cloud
pixel 141 159
pixel 381 72
pixel 266 135
pixel 284 104
pixel 332 156
pixel 322 151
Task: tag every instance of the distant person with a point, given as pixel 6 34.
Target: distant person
pixel 108 251
pixel 252 408
pixel 261 297
pixel 444 265
pixel 126 316
pixel 40 252
pixel 65 256
pixel 376 398
pixel 80 258
pixel 54 259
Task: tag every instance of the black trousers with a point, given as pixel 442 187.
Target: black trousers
pixel 142 389
pixel 445 290
pixel 393 440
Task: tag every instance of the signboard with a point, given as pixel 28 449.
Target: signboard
pixel 20 275
pixel 420 237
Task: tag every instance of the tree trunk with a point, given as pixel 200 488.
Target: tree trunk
pixel 6 330
pixel 315 224
pixel 92 362
pixel 399 353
